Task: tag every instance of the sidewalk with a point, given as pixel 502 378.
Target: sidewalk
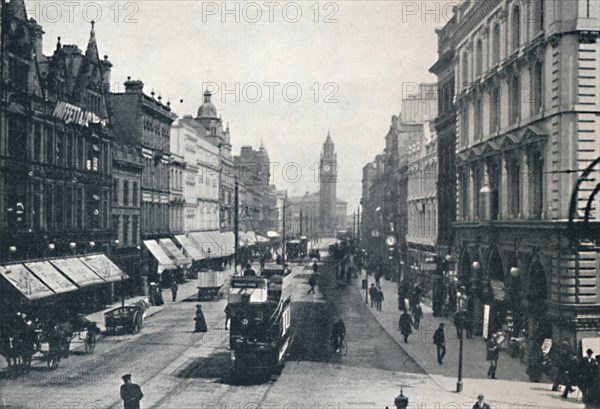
pixel 511 387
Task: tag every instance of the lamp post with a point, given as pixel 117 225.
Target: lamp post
pixel 72 246
pixel 462 298
pixel 445 278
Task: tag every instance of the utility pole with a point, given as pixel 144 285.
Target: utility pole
pixel 358 231
pixel 301 217
pixel 236 225
pixel 353 225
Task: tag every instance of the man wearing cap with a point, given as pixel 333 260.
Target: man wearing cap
pixel 480 404
pixel 131 393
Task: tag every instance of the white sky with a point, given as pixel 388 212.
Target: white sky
pixel 369 55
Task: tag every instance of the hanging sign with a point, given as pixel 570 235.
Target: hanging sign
pixel 497 289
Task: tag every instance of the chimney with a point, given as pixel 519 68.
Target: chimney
pixel 133 86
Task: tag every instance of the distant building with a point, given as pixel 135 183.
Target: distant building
pixel 328 177
pixel 253 169
pixel 310 204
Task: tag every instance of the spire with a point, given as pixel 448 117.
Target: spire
pixel 328 141
pixel 92 48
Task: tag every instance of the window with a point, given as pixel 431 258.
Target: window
pixel 536 167
pixel 465 70
pixel 116 225
pixel 15 210
pixel 60 154
pixel 49 202
pixel 494 109
pixel 537 88
pixel 496 44
pixel 68 207
pixel 79 208
pixel 37 143
pixel 134 229
pixel 81 152
pixel 125 193
pixel 514 99
pixel 93 155
pixel 59 205
pixel 105 209
pixel 17 143
pixel 516 27
pixel 116 191
pixel 514 187
pixel 125 230
pixel 94 209
pixel 50 149
pixel 464 126
pixel 134 192
pixel 464 194
pixel 69 149
pixel 478 118
pixel 538 17
pixel 477 185
pixel 18 72
pixel 479 58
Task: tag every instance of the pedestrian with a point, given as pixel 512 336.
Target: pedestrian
pixel 417 315
pixel 131 393
pixel 439 340
pixel 380 298
pixel 480 404
pixel 572 377
pixel 315 267
pixel 227 315
pixel 200 321
pixel 312 281
pixel 493 352
pixel 405 324
pixel 249 272
pixel 561 356
pixel 373 294
pixel 587 369
pixel 174 288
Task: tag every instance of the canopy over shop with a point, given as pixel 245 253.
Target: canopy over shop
pixel 72 281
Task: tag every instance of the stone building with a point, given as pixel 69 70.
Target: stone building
pixel 144 122
pixel 253 170
pixel 527 112
pixel 209 127
pixel 128 167
pixel 422 206
pixel 55 145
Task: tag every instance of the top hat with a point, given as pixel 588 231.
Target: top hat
pixel 126 377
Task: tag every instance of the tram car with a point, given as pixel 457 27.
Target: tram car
pixel 259 336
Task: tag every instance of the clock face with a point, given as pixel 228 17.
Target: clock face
pixel 326 168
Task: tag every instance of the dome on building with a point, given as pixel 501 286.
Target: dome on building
pixel 207 109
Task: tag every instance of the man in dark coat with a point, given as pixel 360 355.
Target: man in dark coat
pixel 480 404
pixel 493 352
pixel 561 355
pixel 405 324
pixel 200 321
pixel 373 293
pixel 131 393
pixel 380 299
pixel 312 281
pixel 248 272
pixel 174 288
pixel 439 340
pixel 417 315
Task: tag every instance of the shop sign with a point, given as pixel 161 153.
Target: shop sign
pixel 546 345
pixel 74 114
pixel 486 320
pixel 497 289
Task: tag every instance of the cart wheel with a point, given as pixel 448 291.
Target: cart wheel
pixel 90 342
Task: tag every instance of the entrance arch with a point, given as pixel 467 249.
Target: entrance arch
pixel 496 295
pixel 538 326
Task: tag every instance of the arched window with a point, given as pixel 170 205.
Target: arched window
pixel 465 69
pixel 516 27
pixel 538 16
pixel 478 58
pixel 496 44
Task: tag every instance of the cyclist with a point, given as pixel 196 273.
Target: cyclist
pixel 338 334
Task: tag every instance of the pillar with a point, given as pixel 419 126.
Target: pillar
pixel 503 188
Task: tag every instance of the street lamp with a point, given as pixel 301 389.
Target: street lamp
pixel 462 299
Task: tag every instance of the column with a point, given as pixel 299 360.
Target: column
pixel 525 185
pixel 503 188
pixel 472 193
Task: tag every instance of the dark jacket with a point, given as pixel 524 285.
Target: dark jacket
pixel 373 293
pixel 485 406
pixel 439 338
pixel 380 295
pixel 131 394
pixel 405 323
pixel 493 350
pixel 200 321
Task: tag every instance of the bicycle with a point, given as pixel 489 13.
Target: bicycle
pixel 342 347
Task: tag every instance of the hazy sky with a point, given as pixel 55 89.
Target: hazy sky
pixel 359 55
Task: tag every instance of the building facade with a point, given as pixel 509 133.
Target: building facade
pixel 209 127
pixel 422 206
pixel 253 170
pixel 527 112
pixel 144 122
pixel 128 167
pixel 328 175
pixel 55 145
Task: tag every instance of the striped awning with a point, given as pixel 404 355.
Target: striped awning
pixel 50 276
pixel 77 272
pixel 171 249
pixel 105 268
pixel 25 282
pixel 190 248
pixel 164 261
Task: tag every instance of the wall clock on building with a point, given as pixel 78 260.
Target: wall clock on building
pixel 326 168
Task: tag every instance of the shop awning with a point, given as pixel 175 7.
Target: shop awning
pixel 105 268
pixel 207 243
pixel 272 234
pixel 229 240
pixel 25 282
pixel 164 261
pixel 77 272
pixel 190 248
pixel 217 239
pixel 51 277
pixel 171 249
pixel 261 239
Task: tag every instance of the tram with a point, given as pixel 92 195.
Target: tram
pixel 259 336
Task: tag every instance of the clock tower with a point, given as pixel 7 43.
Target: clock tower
pixel 327 189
